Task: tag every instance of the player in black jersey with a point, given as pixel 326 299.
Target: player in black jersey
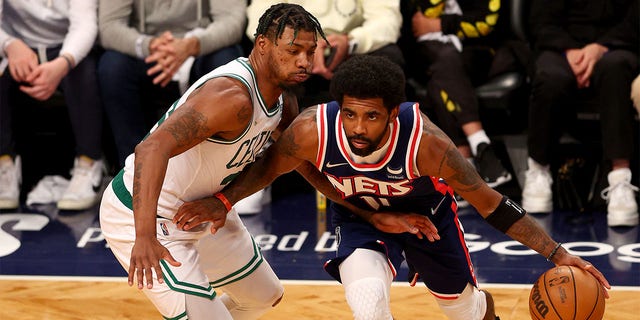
pixel 383 155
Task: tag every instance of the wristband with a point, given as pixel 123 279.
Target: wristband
pixel 505 215
pixel 553 252
pixel 224 201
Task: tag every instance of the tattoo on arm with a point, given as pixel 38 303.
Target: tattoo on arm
pixel 136 184
pixel 189 126
pixel 527 232
pixel 288 146
pixel 464 173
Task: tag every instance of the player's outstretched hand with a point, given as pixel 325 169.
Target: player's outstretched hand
pixel 567 259
pixel 145 257
pixel 194 213
pixel 417 224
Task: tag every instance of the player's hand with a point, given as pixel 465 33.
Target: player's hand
pixel 562 257
pixel 417 224
pixel 145 257
pixel 194 213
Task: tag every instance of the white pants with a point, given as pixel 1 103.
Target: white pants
pixel 229 260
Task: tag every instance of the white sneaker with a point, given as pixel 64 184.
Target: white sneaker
pixel 86 180
pixel 536 194
pixel 253 203
pixel 622 208
pixel 10 179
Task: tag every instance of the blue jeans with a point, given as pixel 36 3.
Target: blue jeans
pixel 128 93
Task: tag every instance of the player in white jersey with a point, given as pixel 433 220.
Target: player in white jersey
pixel 205 139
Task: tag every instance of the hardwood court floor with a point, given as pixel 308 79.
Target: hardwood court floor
pixel 69 299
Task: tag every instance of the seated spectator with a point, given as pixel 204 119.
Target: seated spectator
pixel 591 45
pixel 352 27
pixel 152 43
pixel 449 46
pixel 47 46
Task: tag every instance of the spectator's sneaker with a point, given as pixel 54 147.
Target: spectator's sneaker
pixel 10 178
pixel 622 208
pixel 253 203
pixel 537 196
pixel 85 182
pixel 490 167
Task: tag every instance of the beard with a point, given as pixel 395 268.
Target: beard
pixel 369 149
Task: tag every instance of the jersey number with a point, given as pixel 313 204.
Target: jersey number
pixel 375 203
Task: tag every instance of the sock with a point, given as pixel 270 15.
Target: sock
pixel 477 138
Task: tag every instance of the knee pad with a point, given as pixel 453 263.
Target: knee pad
pixel 471 304
pixel 368 299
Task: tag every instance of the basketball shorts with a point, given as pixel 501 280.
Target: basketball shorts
pixel 208 261
pixel 444 265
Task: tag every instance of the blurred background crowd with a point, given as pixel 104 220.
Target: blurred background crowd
pixel 538 94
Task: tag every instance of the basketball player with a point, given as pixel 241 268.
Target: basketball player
pixel 205 139
pixel 380 153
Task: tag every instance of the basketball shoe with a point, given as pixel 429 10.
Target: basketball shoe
pixel 490 167
pixel 622 208
pixel 10 178
pixel 536 194
pixel 86 178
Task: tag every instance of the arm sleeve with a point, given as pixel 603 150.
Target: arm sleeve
pixel 381 26
pixel 115 33
pixel 478 19
pixel 624 35
pixel 4 37
pixel 228 18
pixel 547 18
pixel 83 28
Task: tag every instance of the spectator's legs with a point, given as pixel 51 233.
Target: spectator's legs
pixel 121 78
pixel 80 88
pixel 552 83
pixel 7 85
pixel 611 79
pixel 10 169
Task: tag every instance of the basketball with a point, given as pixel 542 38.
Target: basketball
pixel 566 292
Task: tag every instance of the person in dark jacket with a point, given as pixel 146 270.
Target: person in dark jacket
pixel 584 45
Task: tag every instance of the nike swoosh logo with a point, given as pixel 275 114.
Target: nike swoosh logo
pixel 333 165
pixel 394 171
pixel 433 210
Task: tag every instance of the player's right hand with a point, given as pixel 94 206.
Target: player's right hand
pixel 417 224
pixel 145 258
pixel 193 213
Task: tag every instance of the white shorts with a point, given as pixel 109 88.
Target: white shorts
pixel 208 261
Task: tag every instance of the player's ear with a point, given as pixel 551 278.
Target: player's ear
pixel 394 113
pixel 261 43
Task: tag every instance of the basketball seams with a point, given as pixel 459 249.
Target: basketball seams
pixel 546 291
pixel 575 293
pixel 595 305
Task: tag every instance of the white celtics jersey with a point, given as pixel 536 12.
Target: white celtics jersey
pixel 207 167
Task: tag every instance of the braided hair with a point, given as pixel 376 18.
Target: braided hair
pixel 273 22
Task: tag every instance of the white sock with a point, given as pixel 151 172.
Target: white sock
pixel 477 138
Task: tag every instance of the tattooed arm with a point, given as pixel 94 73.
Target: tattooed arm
pixel 438 156
pixel 220 107
pixel 295 149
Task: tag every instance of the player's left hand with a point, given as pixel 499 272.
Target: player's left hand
pixel 417 224
pixel 194 213
pixel 562 257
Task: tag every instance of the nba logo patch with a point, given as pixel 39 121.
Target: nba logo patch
pixel 163 227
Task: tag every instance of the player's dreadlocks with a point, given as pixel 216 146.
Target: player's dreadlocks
pixel 278 16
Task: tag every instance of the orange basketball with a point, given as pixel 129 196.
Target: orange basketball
pixel 566 292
